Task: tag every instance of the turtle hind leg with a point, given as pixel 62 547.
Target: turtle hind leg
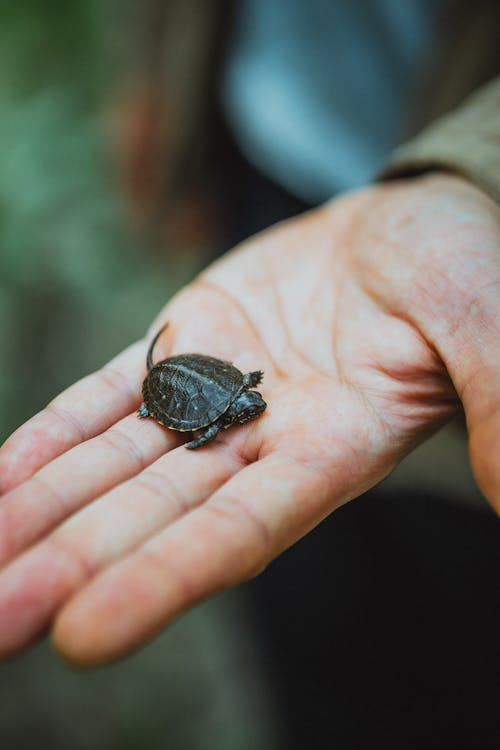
pixel 143 410
pixel 206 437
pixel 251 379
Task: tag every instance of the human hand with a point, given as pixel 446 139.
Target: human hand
pixel 372 318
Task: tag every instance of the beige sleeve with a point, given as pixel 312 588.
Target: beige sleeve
pixel 466 142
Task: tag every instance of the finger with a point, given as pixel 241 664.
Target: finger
pixel 482 408
pixel 82 411
pixel 38 582
pixel 255 515
pixel 77 477
pixel 473 360
pixel 468 333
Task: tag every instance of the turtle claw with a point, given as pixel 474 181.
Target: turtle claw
pixel 143 410
pixel 251 379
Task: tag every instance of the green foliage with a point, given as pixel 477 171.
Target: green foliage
pixel 51 43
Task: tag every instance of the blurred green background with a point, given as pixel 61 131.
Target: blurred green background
pixel 71 265
pixel 72 268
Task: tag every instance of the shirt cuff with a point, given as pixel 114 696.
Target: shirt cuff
pixel 465 142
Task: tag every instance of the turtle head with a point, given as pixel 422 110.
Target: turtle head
pixel 248 405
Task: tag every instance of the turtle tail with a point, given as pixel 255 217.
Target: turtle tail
pixel 149 358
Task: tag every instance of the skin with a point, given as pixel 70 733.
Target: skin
pixel 374 318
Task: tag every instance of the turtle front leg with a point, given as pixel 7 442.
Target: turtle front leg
pixel 206 437
pixel 251 379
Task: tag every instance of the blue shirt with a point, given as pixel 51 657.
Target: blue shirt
pixel 317 92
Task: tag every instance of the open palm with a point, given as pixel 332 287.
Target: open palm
pixel 109 527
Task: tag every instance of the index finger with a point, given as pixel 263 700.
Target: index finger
pixel 79 413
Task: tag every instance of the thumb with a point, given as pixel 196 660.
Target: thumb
pixel 481 401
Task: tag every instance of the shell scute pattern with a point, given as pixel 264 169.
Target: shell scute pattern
pixel 189 392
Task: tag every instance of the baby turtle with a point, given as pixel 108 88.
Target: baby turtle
pixel 195 392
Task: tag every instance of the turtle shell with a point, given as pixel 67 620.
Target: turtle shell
pixel 190 391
